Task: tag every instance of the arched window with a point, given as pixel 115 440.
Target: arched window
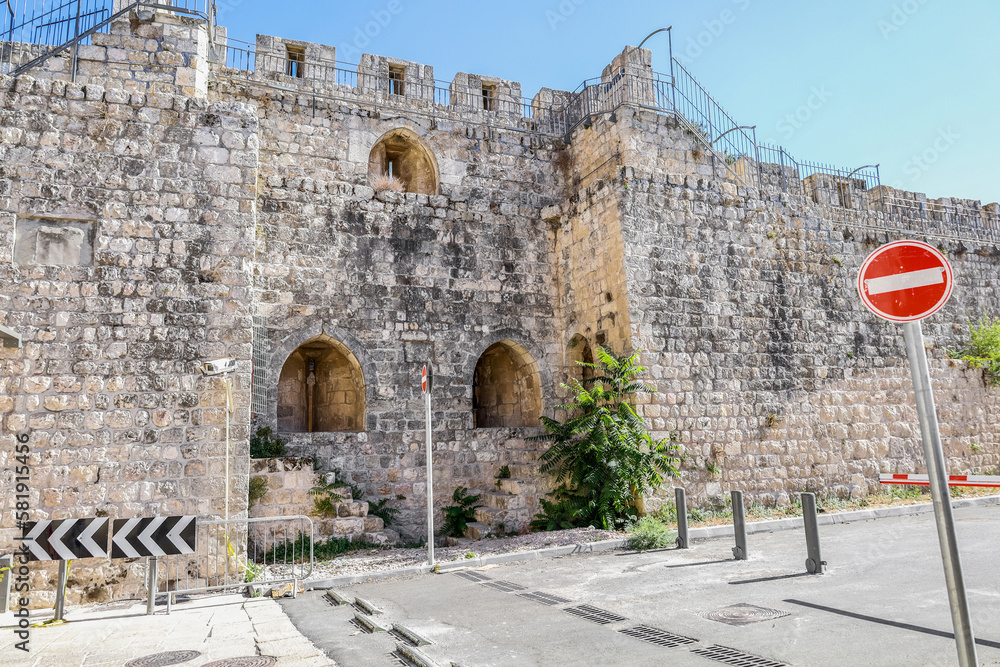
pixel 321 388
pixel 400 155
pixel 506 387
pixel 579 349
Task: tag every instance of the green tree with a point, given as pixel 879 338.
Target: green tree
pixel 603 456
pixel 984 348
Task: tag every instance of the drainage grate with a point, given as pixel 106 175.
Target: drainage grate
pixel 163 659
pixel 505 586
pixel 544 598
pixel 657 636
pixel 731 656
pixel 249 661
pixel 473 576
pixel 585 611
pixel 744 614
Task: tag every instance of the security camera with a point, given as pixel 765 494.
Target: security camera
pixel 218 366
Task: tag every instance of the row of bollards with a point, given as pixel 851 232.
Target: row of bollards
pixel 814 560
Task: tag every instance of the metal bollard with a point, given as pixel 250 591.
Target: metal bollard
pixel 814 560
pixel 739 526
pixel 6 574
pixel 151 584
pixel 61 593
pixel 680 501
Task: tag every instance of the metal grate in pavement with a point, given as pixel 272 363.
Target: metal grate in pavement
pixel 731 656
pixel 589 613
pixel 544 598
pixel 657 636
pixel 473 576
pixel 505 586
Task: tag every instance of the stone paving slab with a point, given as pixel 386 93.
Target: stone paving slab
pixel 223 626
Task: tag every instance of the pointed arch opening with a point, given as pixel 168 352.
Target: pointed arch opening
pixel 321 389
pixel 506 387
pixel 579 350
pixel 402 157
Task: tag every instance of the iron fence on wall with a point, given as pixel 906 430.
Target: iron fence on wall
pixel 36 30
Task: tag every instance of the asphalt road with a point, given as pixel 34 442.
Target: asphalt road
pixel 882 602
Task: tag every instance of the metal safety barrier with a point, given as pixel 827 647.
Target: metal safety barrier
pixel 234 554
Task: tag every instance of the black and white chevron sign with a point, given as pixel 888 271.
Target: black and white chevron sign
pixel 66 539
pixel 155 536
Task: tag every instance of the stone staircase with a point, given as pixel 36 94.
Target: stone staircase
pixel 289 481
pixel 510 504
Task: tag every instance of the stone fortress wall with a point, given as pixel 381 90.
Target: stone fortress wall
pixel 166 209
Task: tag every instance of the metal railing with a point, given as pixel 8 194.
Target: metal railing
pixel 237 553
pixel 317 80
pixel 34 30
pixel 732 148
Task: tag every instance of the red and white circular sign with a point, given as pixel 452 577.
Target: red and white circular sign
pixel 905 281
pixel 423 380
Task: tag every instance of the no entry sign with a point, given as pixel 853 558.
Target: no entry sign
pixel 905 281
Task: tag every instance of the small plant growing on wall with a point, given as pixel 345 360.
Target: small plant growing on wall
pixel 258 489
pixel 713 468
pixel 984 348
pixel 265 445
pixel 457 517
pixel 382 510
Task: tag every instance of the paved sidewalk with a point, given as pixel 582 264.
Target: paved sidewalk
pixel 217 627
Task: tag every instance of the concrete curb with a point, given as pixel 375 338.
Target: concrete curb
pixel 703 533
pixel 415 656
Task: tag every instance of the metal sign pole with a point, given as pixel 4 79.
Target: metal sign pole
pixel 430 470
pixel 934 455
pixel 61 593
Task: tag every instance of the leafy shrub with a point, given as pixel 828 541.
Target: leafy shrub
pixel 984 348
pixel 265 445
pixel 457 517
pixel 258 489
pixel 561 513
pixel 602 455
pixel 504 472
pixel 650 533
pixel 382 511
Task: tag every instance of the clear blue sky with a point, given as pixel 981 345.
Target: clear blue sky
pixel 910 84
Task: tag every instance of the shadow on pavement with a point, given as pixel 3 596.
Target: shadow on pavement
pixel 777 578
pixel 895 624
pixel 703 562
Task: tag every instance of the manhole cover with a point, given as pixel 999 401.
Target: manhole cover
pixel 249 661
pixel 744 614
pixel 731 656
pixel 163 659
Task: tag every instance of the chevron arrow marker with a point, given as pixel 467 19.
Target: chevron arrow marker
pixel 55 540
pixel 86 539
pixel 29 540
pixel 175 535
pixel 146 536
pixel 121 538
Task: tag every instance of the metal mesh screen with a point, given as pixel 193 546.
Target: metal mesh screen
pixel 261 361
